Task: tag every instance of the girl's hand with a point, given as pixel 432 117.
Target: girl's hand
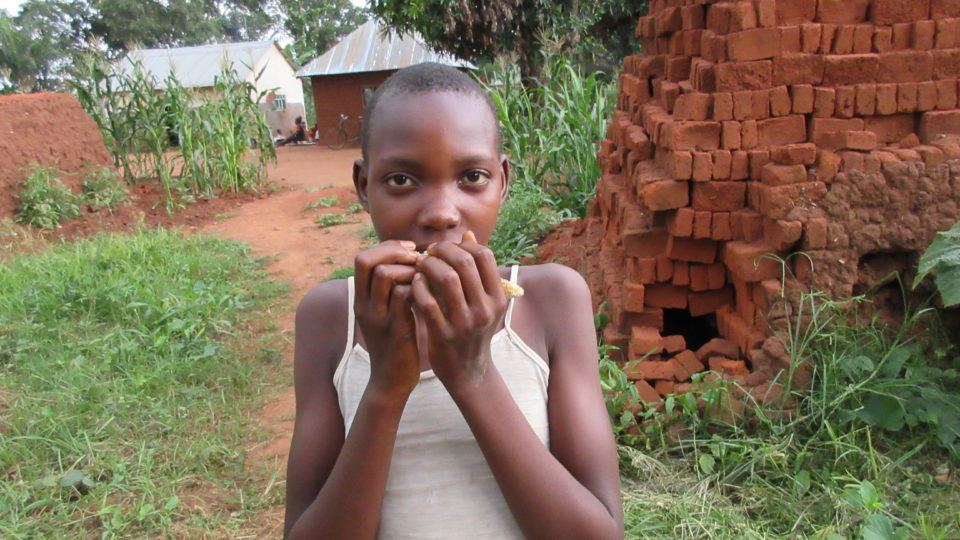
pixel 382 306
pixel 457 293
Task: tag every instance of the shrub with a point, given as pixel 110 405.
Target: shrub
pixel 102 188
pixel 45 201
pixel 942 259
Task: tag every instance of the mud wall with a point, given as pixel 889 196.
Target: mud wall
pixel 762 128
pixel 46 129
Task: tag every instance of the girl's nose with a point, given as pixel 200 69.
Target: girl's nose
pixel 440 213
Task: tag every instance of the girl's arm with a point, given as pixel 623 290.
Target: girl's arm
pixel 572 489
pixel 335 487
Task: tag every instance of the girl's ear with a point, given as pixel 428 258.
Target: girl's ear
pixel 360 182
pixel 505 175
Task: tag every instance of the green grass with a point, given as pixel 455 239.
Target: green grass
pixel 329 220
pixel 340 273
pixel 856 455
pixel 103 188
pixel 354 208
pixel 130 368
pixel 322 202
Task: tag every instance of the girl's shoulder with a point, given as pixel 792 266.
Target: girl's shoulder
pixel 321 324
pixel 551 291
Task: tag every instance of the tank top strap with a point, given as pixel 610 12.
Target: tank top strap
pixel 348 348
pixel 514 273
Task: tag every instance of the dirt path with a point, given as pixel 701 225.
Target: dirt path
pixel 303 255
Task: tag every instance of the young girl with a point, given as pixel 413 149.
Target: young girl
pixel 428 405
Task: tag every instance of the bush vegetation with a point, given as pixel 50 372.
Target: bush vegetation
pixel 942 260
pixel 45 201
pixel 550 130
pixel 130 367
pixel 103 188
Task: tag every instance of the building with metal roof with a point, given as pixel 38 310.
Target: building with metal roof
pixel 341 77
pixel 196 67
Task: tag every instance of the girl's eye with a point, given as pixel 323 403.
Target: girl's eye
pixel 475 178
pixel 399 180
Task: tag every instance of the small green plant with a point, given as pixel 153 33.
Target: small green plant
pixel 329 220
pixel 102 188
pixel 369 235
pixel 354 208
pixel 322 202
pixel 942 259
pixel 45 201
pixel 340 273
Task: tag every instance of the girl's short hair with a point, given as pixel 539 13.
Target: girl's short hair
pixel 421 79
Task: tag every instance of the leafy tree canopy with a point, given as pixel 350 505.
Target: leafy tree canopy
pixel 316 25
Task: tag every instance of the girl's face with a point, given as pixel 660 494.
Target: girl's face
pixel 433 170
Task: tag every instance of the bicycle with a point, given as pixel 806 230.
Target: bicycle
pixel 338 137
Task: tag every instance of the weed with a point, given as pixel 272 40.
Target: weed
pixel 137 363
pixel 942 259
pixel 45 201
pixel 329 220
pixel 369 235
pixel 102 188
pixel 322 202
pixel 354 208
pixel 340 273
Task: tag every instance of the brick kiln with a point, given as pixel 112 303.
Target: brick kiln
pixel 766 127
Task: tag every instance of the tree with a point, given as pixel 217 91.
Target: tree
pixel 35 44
pixel 316 25
pixel 483 31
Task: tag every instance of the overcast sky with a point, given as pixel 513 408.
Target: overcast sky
pixel 12 6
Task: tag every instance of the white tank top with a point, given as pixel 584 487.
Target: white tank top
pixel 439 484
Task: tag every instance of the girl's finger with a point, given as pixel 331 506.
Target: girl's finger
pixel 445 280
pixel 389 252
pixel 385 278
pixel 401 313
pixel 464 263
pixel 426 306
pixel 485 263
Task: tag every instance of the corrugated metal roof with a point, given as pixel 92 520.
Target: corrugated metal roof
pixel 195 67
pixel 367 49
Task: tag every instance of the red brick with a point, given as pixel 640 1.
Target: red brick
pixel 749 137
pixel 886 99
pixel 906 97
pixel 882 39
pixel 644 243
pixel 863 39
pixel 692 17
pixel 723 106
pixel 664 388
pixel 866 99
pixel 946 94
pixel 779 175
pixel 687 364
pixel 633 296
pixel 692 250
pixel 755 44
pixel 810 38
pixel 673 344
pixel 819 126
pixel 784 130
pixel 795 11
pixel 702 166
pixel 905 66
pixel 681 273
pixel 718 196
pixel 717 347
pixel 693 106
pixel 946 64
pixel 824 102
pixel 793 201
pixel 644 340
pixel 780 234
pixel 850 69
pixel 780 101
pixel 730 135
pixel 690 135
pixel 900 11
pixel 734 76
pixel 938 123
pixel 948 33
pixel 926 96
pixel 860 140
pixel 721 164
pixel 902 36
pixel 716 275
pixel 740 165
pixel 794 154
pixel 702 303
pixel 846 97
pixel 665 295
pixel 944 8
pixel 748 262
pixel 668 20
pixel 647 393
pixel 664 268
pixel 699 278
pixel 743 105
pixel 790 39
pixel 752 226
pixel 665 195
pixel 801 96
pixel 760 103
pixel 767 13
pixel 797 69
pixel 827 34
pixel 727 366
pixel 923 35
pixel 681 223
pixel 758 158
pixel 680 165
pixel 843 42
pixel 815 234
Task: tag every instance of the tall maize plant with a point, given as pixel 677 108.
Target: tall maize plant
pixel 191 142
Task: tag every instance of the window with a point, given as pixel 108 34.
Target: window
pixel 280 102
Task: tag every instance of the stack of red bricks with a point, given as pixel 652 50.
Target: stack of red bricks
pixel 728 134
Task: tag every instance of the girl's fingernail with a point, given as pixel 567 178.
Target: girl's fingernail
pixel 469 236
pixel 408 244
